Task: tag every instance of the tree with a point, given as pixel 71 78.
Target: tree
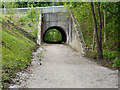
pixel 98 39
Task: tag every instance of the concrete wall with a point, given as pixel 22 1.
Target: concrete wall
pixel 68 25
pixel 56 19
pixel 77 42
pixel 74 40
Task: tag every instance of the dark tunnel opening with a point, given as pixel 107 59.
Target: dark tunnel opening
pixel 59 30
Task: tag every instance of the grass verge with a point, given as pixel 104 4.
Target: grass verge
pixel 16 52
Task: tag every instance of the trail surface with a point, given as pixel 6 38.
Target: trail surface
pixel 64 68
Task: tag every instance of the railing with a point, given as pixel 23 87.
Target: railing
pixel 50 9
pixel 78 32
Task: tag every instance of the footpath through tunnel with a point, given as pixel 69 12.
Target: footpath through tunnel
pixel 55 35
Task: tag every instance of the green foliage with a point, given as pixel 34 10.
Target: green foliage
pixel 10 4
pixel 16 51
pixel 53 35
pixel 109 54
pixel 14 55
pixel 26 4
pixel 6 78
pixel 2 19
pixel 82 12
pixel 34 33
pixel 33 14
pixel 92 54
pixel 30 22
pixel 22 19
pixel 63 42
pixel 10 7
pixel 116 62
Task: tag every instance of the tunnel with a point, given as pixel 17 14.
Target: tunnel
pixel 62 32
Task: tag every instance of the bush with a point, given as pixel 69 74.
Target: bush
pixel 30 22
pixel 116 62
pixel 33 14
pixel 22 20
pixel 91 54
pixel 109 54
pixel 94 54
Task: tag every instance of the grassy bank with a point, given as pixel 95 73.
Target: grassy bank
pixel 16 51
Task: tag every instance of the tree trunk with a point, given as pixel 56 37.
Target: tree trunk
pixel 96 32
pixel 100 29
pixel 93 35
pixel 93 40
pixel 104 27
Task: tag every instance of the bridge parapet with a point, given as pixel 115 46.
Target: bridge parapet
pixel 50 9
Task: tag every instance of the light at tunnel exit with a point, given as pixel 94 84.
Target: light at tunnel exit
pixel 54 35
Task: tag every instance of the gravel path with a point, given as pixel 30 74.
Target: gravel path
pixel 64 68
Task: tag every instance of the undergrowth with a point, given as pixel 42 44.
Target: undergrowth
pixel 30 21
pixel 108 56
pixel 16 52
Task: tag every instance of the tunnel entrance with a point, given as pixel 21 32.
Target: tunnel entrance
pixel 55 35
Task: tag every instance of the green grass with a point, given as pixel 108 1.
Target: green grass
pixel 16 52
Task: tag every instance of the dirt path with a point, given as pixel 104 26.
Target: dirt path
pixel 63 68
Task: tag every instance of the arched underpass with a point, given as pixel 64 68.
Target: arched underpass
pixel 62 32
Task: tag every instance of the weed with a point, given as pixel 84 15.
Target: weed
pixel 40 56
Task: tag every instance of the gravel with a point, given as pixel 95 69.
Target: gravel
pixel 62 67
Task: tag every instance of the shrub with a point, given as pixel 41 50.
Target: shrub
pixel 30 22
pixel 33 14
pixel 93 54
pixel 109 54
pixel 116 62
pixel 22 20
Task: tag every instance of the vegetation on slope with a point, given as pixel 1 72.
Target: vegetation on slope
pixel 16 51
pixel 30 22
